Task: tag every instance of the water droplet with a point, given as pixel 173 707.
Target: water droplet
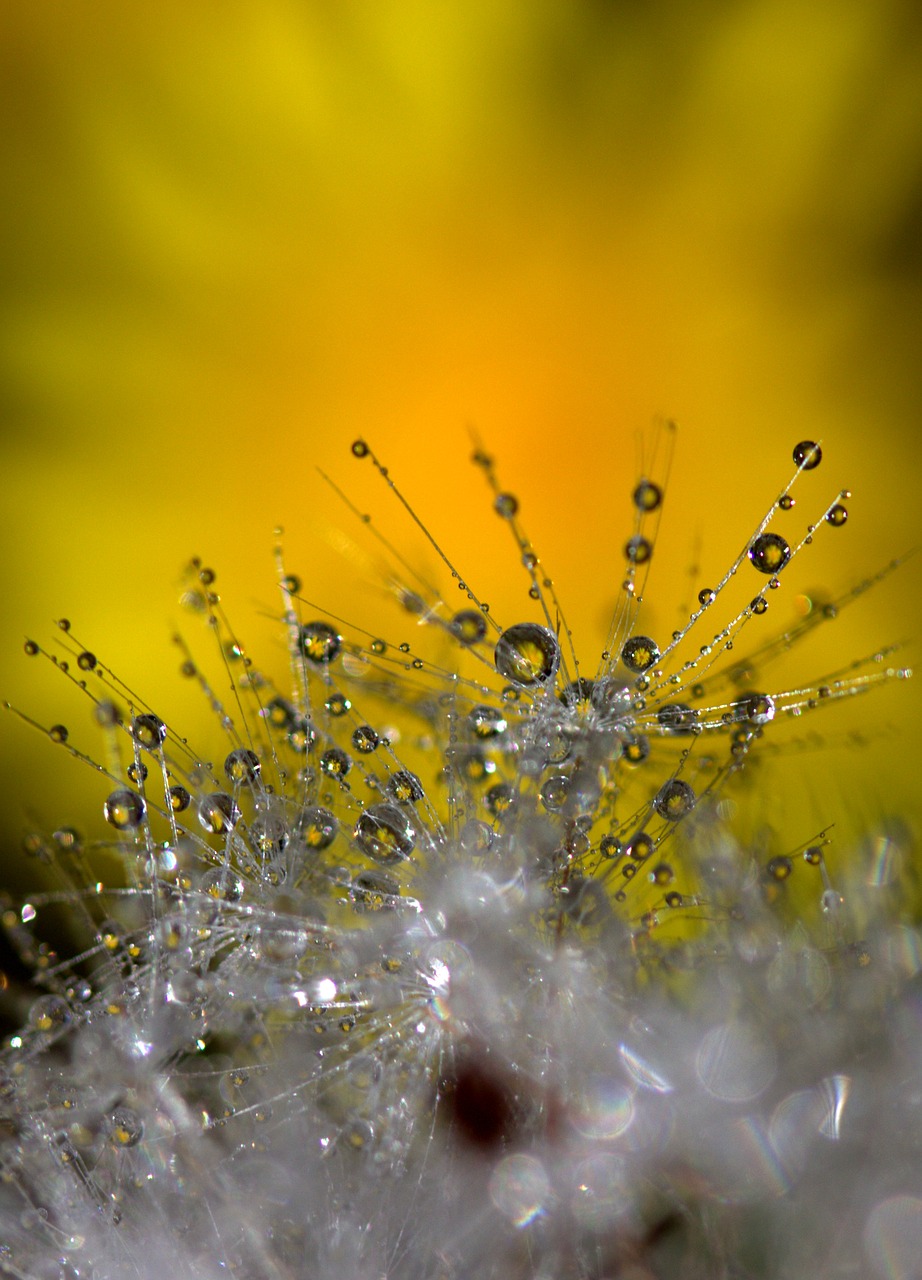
pixel 317 827
pixel 635 748
pixel 383 832
pixel 31 648
pixel 759 605
pixel 365 739
pixel 359 449
pixel 292 583
pixel 223 884
pixel 786 502
pixel 217 812
pixel 319 642
pixel 807 455
pixel 506 505
pixel 404 787
pixel 706 596
pixel 639 653
pixel 499 799
pixel 677 717
pixel 86 661
pixel 779 868
pixel 49 1013
pixel 554 792
pixel 124 810
pixel 335 763
pixel 124 1127
pixel 337 704
pixel 837 515
pixel 242 766
pixel 148 731
pixel 756 708
pixel 647 496
pixel 179 799
pixel 813 856
pixel 378 646
pixel 487 722
pixel 769 553
pixel 58 733
pixel 638 550
pixel 137 773
pixel 527 654
pixel 468 626
pixel 674 800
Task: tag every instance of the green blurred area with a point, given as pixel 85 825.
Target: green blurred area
pixel 237 236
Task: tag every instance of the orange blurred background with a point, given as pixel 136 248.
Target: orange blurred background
pixel 237 236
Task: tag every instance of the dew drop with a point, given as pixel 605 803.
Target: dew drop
pixel 317 827
pixel 319 642
pixel 148 731
pixel 638 550
pixel 365 740
pixel 359 449
pixel 639 653
pixel 506 505
pixel 383 832
pixel 86 661
pixel 769 553
pixel 780 868
pixel 179 799
pixel 807 455
pixel 487 722
pixel 527 654
pixel 647 496
pixel 242 766
pixel 124 810
pixel 468 626
pixel 124 1127
pixel 57 733
pixel 786 502
pixel 335 763
pixel 31 648
pixel 706 596
pixel 217 813
pixel 837 515
pixel 674 800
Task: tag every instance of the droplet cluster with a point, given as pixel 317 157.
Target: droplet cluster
pixel 448 960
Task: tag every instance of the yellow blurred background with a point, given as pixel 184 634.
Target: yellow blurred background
pixel 238 235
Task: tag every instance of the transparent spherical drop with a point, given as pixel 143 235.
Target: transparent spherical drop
pixel 769 553
pixel 554 792
pixel 223 884
pixel 638 550
pixel 506 505
pixel 124 1127
pixel 756 708
pixel 335 763
pixel 124 810
pixel 148 731
pixel 469 626
pixel 242 766
pixel 217 812
pixel 837 515
pixel 319 642
pixel 365 739
pixel 384 833
pixel 487 722
pixel 647 496
pixel 674 800
pixel 404 787
pixel 527 654
pixel 317 827
pixel 807 455
pixel 639 653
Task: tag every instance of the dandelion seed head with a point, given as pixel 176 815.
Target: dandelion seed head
pixel 447 956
